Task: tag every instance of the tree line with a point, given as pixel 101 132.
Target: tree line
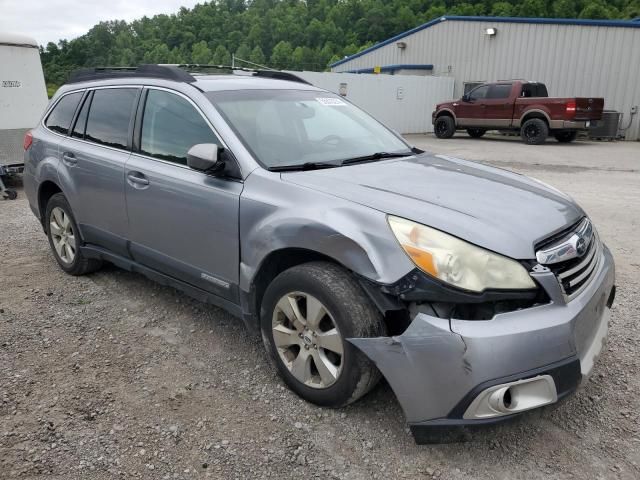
pixel 287 34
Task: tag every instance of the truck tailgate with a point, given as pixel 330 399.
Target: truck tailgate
pixel 589 108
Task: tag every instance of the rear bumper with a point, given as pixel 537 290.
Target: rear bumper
pixel 437 367
pixel 571 125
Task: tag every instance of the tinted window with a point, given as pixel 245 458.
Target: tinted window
pixel 81 122
pixel 171 126
pixel 59 119
pixel 499 91
pixel 109 116
pixel 479 93
pixel 534 90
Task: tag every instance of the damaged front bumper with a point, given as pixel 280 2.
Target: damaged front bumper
pixel 438 367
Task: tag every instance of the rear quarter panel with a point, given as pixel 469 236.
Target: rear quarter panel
pixel 41 165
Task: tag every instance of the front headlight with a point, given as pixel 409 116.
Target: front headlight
pixel 457 262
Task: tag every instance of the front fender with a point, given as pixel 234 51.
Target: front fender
pixel 355 236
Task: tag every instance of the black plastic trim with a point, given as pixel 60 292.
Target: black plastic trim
pixel 566 375
pixel 418 286
pixel 166 72
pixel 91 251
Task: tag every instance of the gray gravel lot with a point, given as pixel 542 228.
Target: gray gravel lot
pixel 111 376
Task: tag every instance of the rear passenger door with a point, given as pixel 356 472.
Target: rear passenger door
pixel 92 165
pixel 498 105
pixel 182 222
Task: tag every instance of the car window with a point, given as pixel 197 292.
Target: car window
pixel 171 126
pixel 109 116
pixel 499 91
pixel 479 93
pixel 534 90
pixel 59 120
pixel 81 121
pixel 294 127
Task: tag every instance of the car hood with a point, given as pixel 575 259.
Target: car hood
pixel 496 209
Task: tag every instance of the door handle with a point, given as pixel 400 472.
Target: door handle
pixel 137 179
pixel 69 159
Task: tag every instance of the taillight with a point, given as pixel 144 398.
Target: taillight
pixel 28 140
pixel 571 108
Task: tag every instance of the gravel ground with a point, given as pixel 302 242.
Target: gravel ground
pixel 111 376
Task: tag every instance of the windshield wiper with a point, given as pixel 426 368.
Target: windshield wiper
pixel 304 166
pixel 376 156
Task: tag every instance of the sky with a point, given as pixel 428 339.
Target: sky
pixel 52 20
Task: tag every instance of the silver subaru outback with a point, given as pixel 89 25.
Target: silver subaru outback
pixel 476 292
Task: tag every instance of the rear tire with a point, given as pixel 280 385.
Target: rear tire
pixel 64 238
pixel 308 343
pixel 534 131
pixel 10 194
pixel 566 137
pixel 476 132
pixel 444 127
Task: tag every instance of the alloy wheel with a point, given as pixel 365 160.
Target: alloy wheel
pixel 307 340
pixel 62 235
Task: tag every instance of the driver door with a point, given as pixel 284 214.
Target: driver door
pixel 182 222
pixel 471 113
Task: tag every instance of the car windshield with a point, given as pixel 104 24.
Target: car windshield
pixel 297 127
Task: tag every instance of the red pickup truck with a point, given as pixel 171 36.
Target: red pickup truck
pixel 517 106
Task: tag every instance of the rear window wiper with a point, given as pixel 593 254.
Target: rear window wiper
pixel 376 156
pixel 304 166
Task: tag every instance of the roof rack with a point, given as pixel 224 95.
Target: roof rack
pixel 175 72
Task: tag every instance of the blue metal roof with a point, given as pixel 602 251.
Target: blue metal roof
pixel 635 23
pixel 394 68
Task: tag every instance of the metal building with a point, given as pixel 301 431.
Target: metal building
pixel 573 57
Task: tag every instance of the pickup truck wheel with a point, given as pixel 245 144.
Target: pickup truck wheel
pixel 566 137
pixel 476 132
pixel 534 131
pixel 307 314
pixel 444 127
pixel 64 239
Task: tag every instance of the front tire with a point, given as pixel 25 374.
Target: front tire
pixel 534 131
pixel 307 314
pixel 566 137
pixel 444 127
pixel 64 238
pixel 476 132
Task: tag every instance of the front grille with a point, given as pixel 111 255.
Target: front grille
pixel 574 275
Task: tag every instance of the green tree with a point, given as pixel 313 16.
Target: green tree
pixel 221 56
pixel 257 56
pixel 282 55
pixel 200 53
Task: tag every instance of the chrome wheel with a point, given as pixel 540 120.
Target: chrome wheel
pixel 307 340
pixel 62 235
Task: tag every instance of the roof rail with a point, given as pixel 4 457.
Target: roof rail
pixel 274 74
pixel 168 72
pixel 175 72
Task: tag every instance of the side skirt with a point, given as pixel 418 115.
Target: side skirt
pixel 91 251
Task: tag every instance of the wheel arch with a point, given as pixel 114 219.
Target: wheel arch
pixel 46 190
pixel 529 114
pixel 447 112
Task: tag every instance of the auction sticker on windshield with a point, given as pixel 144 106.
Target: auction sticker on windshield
pixel 331 102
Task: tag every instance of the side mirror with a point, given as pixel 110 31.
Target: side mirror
pixel 466 98
pixel 205 157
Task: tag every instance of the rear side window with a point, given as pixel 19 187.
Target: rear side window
pixel 109 116
pixel 81 122
pixel 171 126
pixel 534 90
pixel 59 120
pixel 499 91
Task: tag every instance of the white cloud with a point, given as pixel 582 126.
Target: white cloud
pixel 52 20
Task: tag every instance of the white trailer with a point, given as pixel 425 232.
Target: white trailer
pixel 23 98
